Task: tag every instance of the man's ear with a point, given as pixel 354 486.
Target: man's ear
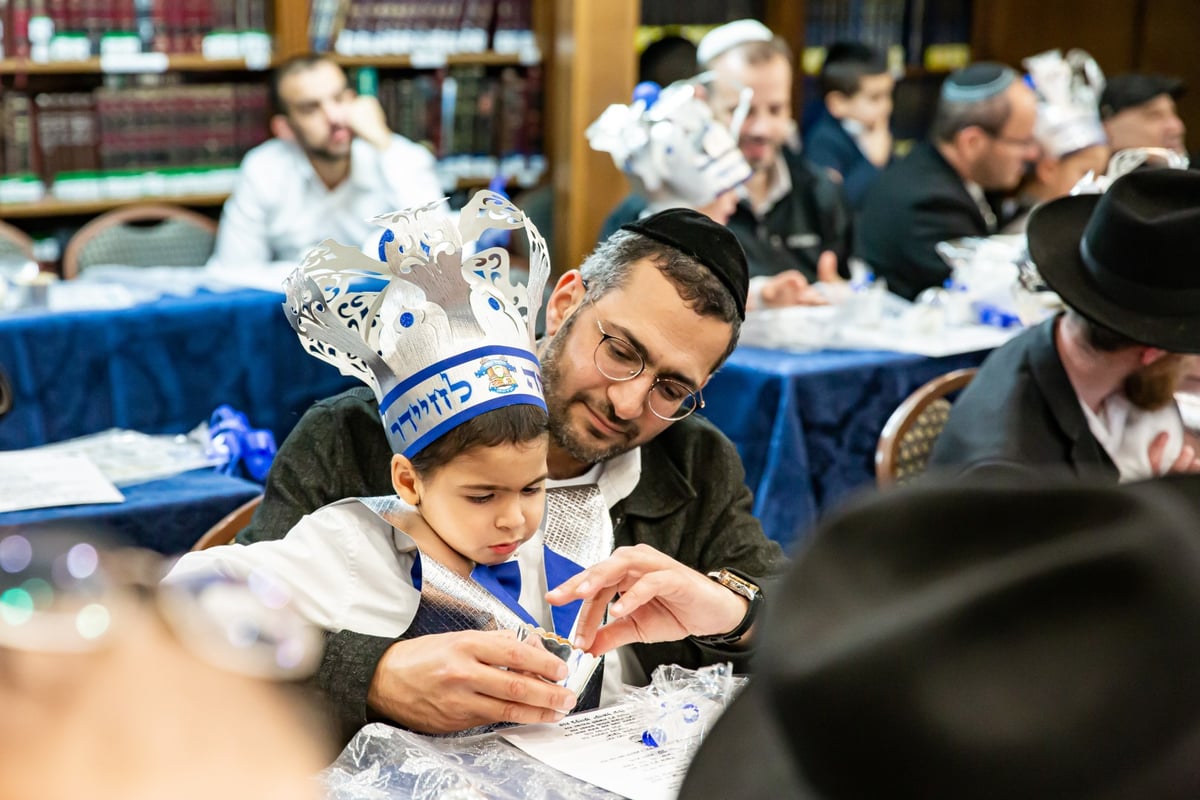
pixel 564 300
pixel 281 128
pixel 405 480
pixel 1151 354
pixel 971 141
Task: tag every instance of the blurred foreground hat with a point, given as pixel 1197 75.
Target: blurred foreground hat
pixel 978 642
pixel 728 36
pixel 1127 258
pixel 1133 89
pixel 710 243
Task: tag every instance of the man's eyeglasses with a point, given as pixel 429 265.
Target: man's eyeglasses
pixel 618 360
pixel 1020 144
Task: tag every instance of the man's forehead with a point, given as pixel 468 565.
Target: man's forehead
pixel 316 82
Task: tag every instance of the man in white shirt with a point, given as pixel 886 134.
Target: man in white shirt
pixel 332 166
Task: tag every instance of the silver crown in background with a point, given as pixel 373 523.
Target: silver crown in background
pixel 439 330
pixel 1068 89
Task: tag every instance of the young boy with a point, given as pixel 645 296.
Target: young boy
pixel 851 136
pixel 446 343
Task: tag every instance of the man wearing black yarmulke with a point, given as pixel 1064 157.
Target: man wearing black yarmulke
pixel 980 143
pixel 632 338
pixel 1091 392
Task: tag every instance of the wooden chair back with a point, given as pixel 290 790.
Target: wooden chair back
pixel 229 527
pixel 910 432
pixel 142 235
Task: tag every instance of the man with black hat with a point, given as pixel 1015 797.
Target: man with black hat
pixel 1091 391
pixel 981 643
pixel 632 338
pixel 981 141
pixel 1139 111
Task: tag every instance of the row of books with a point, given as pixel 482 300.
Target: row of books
pixel 699 12
pixel 37 28
pixel 931 33
pixel 422 28
pixel 467 110
pixel 139 128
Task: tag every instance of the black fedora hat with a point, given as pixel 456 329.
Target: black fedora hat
pixel 1128 259
pixel 978 642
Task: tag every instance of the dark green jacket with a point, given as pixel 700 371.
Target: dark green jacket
pixel 691 503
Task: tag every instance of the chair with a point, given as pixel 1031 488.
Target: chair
pixel 229 526
pixel 6 394
pixel 911 430
pixel 142 235
pixel 15 244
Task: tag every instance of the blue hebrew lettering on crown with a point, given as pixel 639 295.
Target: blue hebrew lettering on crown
pixel 440 333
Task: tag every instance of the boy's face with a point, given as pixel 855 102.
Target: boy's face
pixel 871 105
pixel 488 501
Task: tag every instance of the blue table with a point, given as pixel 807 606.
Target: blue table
pixel 161 367
pixel 806 424
pixel 166 515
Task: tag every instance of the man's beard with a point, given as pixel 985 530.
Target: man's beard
pixel 561 433
pixel 1153 386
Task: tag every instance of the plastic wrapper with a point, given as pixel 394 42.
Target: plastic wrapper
pixel 129 457
pixel 381 762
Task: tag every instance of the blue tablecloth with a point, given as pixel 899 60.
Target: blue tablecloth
pixel 161 367
pixel 806 424
pixel 166 515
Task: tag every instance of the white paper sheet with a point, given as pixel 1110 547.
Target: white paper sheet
pixel 604 748
pixel 46 480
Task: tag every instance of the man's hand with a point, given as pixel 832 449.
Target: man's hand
pixel 447 682
pixel 367 120
pixel 789 288
pixel 1186 462
pixel 661 601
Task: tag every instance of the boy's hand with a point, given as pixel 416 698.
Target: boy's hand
pixel 877 143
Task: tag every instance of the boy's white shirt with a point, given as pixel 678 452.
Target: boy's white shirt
pixel 348 569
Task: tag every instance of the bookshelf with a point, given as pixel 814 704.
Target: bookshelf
pixel 77 176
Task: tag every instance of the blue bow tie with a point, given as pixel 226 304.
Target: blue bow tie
pixel 506 575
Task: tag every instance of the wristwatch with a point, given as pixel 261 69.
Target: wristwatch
pixel 740 584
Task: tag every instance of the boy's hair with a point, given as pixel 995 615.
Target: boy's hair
pixel 515 424
pixel 666 60
pixel 846 64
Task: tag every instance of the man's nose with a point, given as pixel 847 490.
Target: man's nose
pixel 628 398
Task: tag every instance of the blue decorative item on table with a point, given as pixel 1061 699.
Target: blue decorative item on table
pixel 230 435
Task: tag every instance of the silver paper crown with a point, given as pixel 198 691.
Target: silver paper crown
pixel 1068 89
pixel 440 337
pixel 673 145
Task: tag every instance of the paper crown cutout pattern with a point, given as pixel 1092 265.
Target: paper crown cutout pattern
pixel 440 336
pixel 669 141
pixel 1068 89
